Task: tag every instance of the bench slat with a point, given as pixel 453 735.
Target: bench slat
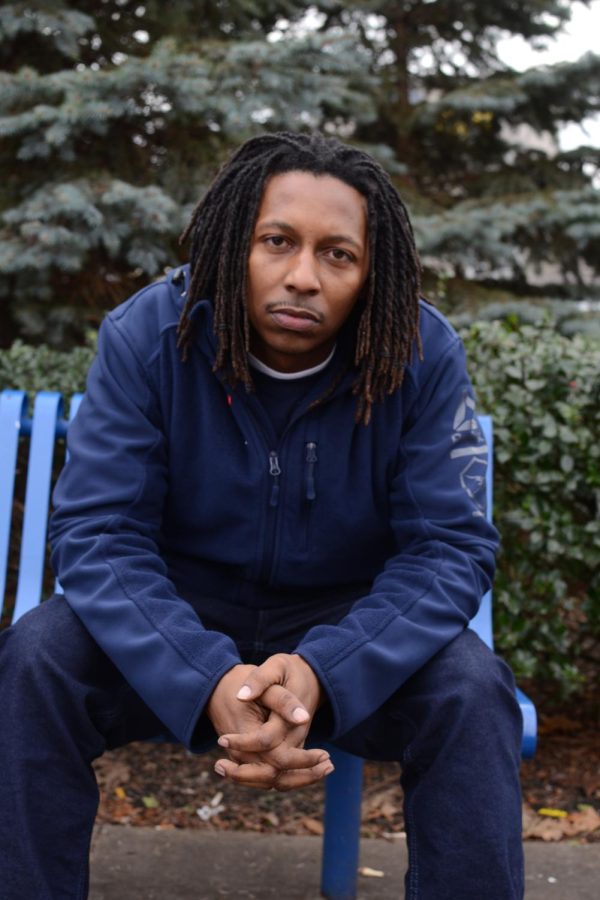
pixel 74 406
pixel 13 409
pixel 482 621
pixel 47 412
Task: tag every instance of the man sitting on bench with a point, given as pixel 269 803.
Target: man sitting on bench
pixel 271 524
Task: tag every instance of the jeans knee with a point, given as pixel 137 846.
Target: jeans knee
pixel 46 641
pixel 467 682
pixel 484 676
pixel 488 704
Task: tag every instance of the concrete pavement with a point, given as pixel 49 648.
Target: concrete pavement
pixel 145 864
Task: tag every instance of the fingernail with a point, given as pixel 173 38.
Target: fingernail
pixel 223 742
pixel 219 770
pixel 300 715
pixel 244 692
pixel 328 770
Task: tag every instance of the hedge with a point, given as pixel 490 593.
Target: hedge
pixel 42 368
pixel 543 390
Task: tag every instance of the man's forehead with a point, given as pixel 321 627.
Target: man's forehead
pixel 324 199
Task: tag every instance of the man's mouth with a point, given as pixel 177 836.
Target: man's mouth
pixel 295 318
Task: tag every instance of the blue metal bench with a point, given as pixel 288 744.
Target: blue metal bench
pixel 47 424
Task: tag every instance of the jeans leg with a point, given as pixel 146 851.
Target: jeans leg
pixel 62 703
pixel 455 727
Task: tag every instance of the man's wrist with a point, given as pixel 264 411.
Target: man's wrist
pixel 318 694
pixel 228 683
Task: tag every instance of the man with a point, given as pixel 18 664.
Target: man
pixel 265 529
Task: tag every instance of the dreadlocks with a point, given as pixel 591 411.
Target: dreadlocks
pixel 221 228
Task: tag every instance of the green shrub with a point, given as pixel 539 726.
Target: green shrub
pixel 41 368
pixel 542 390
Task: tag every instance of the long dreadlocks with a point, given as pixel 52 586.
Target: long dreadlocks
pixel 221 228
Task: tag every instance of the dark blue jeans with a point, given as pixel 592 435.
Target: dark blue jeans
pixel 455 727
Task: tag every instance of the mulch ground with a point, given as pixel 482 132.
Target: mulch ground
pixel 167 787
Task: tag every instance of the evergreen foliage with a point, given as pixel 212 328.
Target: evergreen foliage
pixel 114 115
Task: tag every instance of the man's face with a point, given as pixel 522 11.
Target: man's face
pixel 308 261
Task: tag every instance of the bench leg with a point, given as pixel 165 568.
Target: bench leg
pixel 341 841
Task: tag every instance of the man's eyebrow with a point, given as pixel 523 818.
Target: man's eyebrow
pixel 285 226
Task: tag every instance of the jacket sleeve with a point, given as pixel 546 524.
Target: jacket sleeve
pixel 105 543
pixel 429 590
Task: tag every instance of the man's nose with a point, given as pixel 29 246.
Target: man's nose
pixel 303 273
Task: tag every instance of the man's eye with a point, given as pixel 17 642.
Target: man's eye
pixel 276 240
pixel 340 255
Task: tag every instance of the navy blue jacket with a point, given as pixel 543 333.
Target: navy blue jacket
pixel 186 536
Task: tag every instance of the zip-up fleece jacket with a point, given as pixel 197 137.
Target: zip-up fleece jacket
pixel 187 536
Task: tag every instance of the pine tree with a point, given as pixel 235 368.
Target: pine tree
pixel 501 214
pixel 113 117
pixel 115 113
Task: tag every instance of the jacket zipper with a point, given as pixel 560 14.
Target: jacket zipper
pixel 274 472
pixel 270 540
pixel 310 493
pixel 311 459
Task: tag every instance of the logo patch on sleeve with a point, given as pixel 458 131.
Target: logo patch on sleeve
pixel 469 444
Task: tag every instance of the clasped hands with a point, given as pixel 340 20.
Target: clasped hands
pixel 262 715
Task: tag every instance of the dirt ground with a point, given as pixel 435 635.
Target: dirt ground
pixel 166 786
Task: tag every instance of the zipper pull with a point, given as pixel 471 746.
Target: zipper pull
pixel 311 459
pixel 275 472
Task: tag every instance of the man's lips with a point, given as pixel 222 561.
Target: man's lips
pixel 294 318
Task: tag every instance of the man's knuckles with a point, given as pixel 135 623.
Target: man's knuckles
pixel 286 700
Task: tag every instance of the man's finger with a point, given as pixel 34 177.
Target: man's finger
pixel 269 677
pixel 269 743
pixel 261 775
pixel 260 740
pixel 257 681
pixel 286 704
pixel 257 774
pixel 298 778
pixel 285 757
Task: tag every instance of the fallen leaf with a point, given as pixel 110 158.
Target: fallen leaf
pixel 370 873
pixel 123 808
pixel 312 825
pixel 272 819
pixel 150 802
pixel 545 829
pixel 553 813
pixel 120 793
pixel 583 822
